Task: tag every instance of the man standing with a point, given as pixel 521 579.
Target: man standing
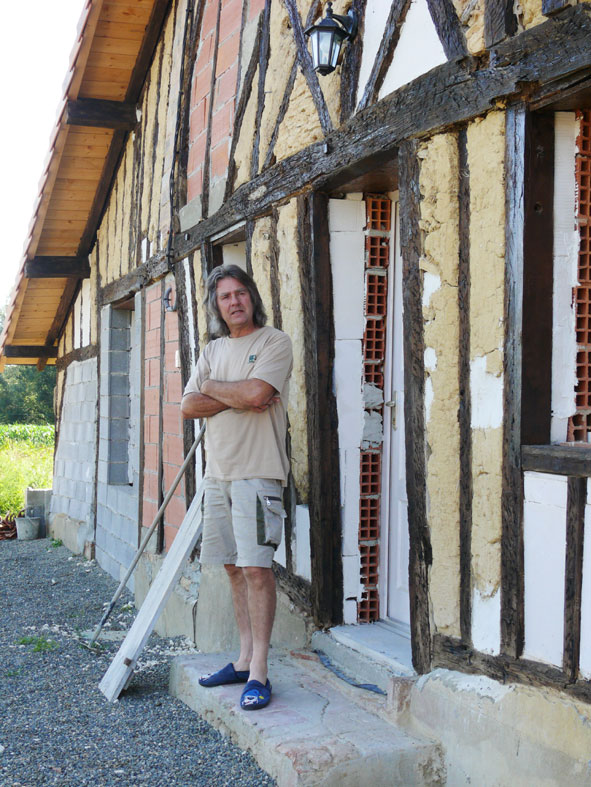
pixel 240 384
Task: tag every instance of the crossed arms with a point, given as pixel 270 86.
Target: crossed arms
pixel 215 396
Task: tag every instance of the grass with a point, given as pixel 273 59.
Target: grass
pixel 40 644
pixel 26 459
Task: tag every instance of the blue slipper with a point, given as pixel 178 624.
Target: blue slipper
pixel 255 695
pixel 225 675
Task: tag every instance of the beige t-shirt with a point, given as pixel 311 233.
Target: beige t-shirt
pixel 243 444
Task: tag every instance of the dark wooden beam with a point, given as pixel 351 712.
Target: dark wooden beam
pixel 420 555
pixel 573 576
pixel 550 7
pixel 206 171
pixel 449 29
pixel 465 409
pixel 385 52
pixel 263 53
pixel 450 653
pixel 305 61
pixel 323 453
pixel 529 64
pixel 538 273
pixel 512 612
pixel 571 460
pixel 78 354
pixel 351 64
pixel 29 351
pixel 499 21
pixel 241 106
pixel 57 268
pixel 144 59
pixel 101 113
pixel 134 281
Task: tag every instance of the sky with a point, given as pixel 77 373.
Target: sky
pixel 34 56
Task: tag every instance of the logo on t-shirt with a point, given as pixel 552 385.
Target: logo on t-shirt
pixel 252 358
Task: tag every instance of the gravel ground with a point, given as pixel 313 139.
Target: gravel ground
pixel 55 725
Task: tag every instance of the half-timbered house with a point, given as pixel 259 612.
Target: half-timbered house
pixel 418 222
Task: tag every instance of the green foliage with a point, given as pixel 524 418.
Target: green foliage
pixel 26 395
pixel 56 542
pixel 26 459
pixel 40 643
pixel 35 435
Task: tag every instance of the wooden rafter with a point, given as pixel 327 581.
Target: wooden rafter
pixel 100 113
pixel 57 268
pixel 29 351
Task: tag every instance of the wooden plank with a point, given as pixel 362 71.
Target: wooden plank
pixel 106 91
pixel 109 60
pixel 573 576
pixel 158 12
pixel 512 612
pixel 420 556
pixel 118 46
pixel 538 280
pixel 465 410
pixel 449 94
pixel 121 668
pixel 323 453
pixel 572 460
pixel 499 21
pixel 385 53
pixel 57 267
pixel 449 29
pixel 99 113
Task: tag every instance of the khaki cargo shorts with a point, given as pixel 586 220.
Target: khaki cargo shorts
pixel 242 522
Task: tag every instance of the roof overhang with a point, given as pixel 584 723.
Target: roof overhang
pixel 108 65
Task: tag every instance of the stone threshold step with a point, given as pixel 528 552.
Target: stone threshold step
pixel 317 730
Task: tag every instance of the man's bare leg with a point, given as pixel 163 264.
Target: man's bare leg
pixel 240 601
pixel 262 599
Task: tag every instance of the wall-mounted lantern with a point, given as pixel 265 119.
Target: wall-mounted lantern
pixel 327 38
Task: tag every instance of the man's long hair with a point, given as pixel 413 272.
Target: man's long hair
pixel 217 327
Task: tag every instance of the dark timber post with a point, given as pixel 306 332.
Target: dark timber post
pixel 324 495
pixel 512 631
pixel 414 407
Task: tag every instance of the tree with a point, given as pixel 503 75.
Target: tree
pixel 26 395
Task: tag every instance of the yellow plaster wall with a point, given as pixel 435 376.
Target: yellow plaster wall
pixel 471 15
pixel 529 13
pixel 261 262
pixel 293 322
pixel 301 126
pixel 438 182
pixel 486 161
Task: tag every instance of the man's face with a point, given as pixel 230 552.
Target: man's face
pixel 235 305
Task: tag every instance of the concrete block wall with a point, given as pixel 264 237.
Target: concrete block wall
pixel 117 515
pixel 73 479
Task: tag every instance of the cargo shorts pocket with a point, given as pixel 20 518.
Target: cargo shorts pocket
pixel 270 516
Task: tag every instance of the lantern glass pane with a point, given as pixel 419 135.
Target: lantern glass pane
pixel 336 50
pixel 324 48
